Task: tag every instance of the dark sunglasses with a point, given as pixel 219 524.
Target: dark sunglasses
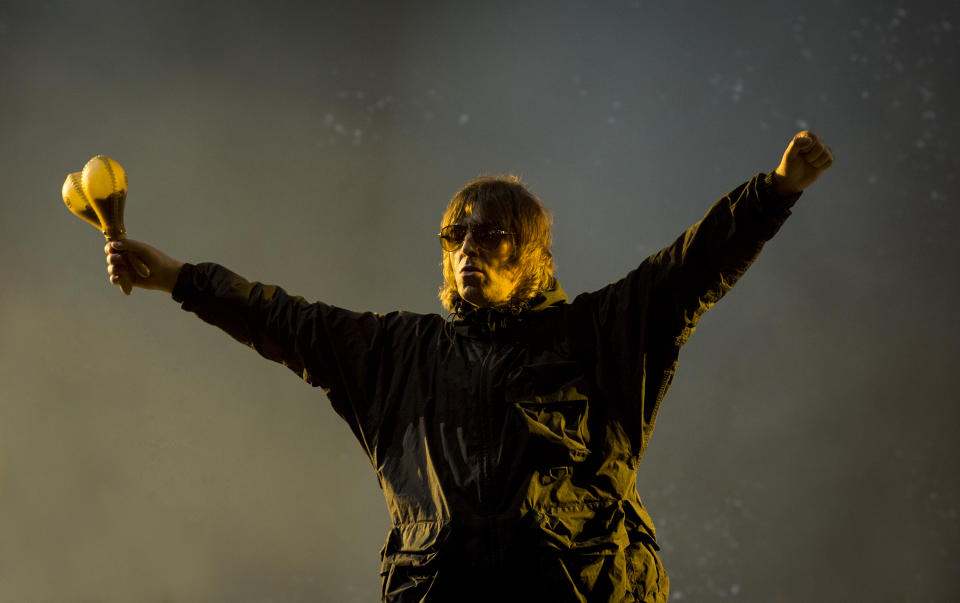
pixel 487 236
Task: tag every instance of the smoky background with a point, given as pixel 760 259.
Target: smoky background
pixel 807 449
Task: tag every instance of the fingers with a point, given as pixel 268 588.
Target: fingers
pixel 118 268
pixel 819 156
pixel 815 152
pixel 114 247
pixel 809 146
pixel 129 250
pixel 119 274
pixel 824 161
pixel 117 261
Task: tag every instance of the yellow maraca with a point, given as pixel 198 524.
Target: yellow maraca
pixel 77 202
pixel 97 195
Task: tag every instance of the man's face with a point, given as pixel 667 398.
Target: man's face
pixel 484 276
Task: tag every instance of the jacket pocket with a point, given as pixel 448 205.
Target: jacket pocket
pixel 409 560
pixel 646 577
pixel 551 403
pixel 603 553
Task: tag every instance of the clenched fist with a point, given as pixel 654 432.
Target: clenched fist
pixel 804 160
pixel 163 270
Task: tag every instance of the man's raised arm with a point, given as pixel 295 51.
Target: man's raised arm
pixel 704 263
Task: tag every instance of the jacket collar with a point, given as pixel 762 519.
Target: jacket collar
pixel 476 321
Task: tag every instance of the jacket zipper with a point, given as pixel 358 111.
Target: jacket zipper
pixel 485 456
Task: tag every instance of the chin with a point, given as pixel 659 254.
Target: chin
pixel 474 295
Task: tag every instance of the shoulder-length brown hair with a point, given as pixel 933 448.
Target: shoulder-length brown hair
pixel 507 201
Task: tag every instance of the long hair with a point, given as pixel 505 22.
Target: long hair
pixel 506 200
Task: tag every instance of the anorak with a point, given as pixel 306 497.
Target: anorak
pixel 507 443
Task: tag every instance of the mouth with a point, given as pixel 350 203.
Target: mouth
pixel 471 271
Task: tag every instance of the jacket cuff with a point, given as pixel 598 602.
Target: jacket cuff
pixel 185 288
pixel 770 200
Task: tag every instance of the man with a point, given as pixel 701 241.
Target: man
pixel 506 438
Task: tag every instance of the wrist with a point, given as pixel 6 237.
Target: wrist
pixel 779 185
pixel 169 280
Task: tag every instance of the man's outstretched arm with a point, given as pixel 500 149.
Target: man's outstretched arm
pixel 328 347
pixel 308 338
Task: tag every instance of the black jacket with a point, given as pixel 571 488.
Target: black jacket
pixel 507 444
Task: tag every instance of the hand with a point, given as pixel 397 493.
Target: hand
pixel 804 160
pixel 162 269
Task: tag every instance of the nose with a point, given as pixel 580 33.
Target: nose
pixel 469 246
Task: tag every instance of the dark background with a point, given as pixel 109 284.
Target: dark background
pixel 807 451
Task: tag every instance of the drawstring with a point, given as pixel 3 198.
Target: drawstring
pixel 448 328
pixel 492 318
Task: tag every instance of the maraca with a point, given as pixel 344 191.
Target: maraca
pixel 97 196
pixel 77 202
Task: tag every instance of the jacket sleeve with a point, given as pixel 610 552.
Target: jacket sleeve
pixel 329 347
pixel 690 275
pixel 632 330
